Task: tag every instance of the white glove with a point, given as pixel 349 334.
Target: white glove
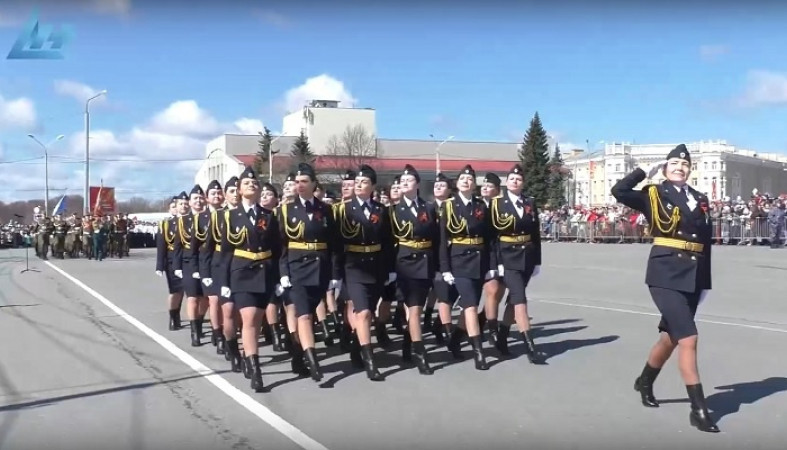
pixel 448 277
pixel 207 281
pixel 159 273
pixel 179 273
pixel 536 270
pixel 285 282
pixel 279 290
pixel 653 169
pixel 391 278
pixel 489 275
pixel 225 292
pixel 335 284
pixel 703 294
pixel 501 270
pixel 195 275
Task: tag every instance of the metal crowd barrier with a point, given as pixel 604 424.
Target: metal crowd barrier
pixel 726 230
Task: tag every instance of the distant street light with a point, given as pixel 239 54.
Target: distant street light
pixel 87 150
pixel 46 168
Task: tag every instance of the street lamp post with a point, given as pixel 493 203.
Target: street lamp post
pixel 437 154
pixel 46 168
pixel 270 159
pixel 87 150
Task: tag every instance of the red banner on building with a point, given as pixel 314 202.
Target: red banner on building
pixel 102 200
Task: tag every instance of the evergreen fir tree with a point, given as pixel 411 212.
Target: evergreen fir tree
pixel 263 154
pixel 301 152
pixel 534 155
pixel 557 179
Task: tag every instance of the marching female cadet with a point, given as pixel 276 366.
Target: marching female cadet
pixel 205 247
pixel 186 264
pixel 416 229
pixel 400 316
pixel 366 262
pixel 518 246
pixel 493 289
pixel 288 196
pixel 165 254
pixel 678 273
pixel 253 233
pixel 440 289
pixel 308 239
pixel 220 274
pixel 381 311
pixel 344 324
pixel 466 259
pixel 272 328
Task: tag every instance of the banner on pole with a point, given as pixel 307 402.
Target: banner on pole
pixel 102 200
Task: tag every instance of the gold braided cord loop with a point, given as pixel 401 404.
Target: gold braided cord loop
pixel 453 225
pixel 668 226
pixel 348 230
pixel 185 238
pixel 165 229
pixel 232 237
pixel 200 236
pixel 401 232
pixel 500 223
pixel 214 226
pixel 293 233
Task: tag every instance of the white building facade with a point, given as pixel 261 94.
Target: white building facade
pixel 718 169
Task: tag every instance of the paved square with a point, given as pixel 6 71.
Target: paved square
pixel 71 362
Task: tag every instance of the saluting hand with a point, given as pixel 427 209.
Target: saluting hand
pixel 653 169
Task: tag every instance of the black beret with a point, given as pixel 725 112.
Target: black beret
pixel 492 178
pixel 182 196
pixel 232 182
pixel 517 169
pixel 175 198
pixel 248 173
pixel 440 177
pixel 349 175
pixel 269 187
pixel 367 172
pixel 397 179
pixel 467 170
pixel 680 152
pixel 290 177
pixel 214 185
pixel 410 170
pixel 307 170
pixel 331 194
pixel 197 189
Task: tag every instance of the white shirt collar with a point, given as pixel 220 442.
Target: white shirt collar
pixel 464 199
pixel 408 202
pixel 513 197
pixel 362 202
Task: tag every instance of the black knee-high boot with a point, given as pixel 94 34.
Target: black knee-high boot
pixel 699 416
pixel 644 385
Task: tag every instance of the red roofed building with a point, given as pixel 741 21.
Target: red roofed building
pixel 324 123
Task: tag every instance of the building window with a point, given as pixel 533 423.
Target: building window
pixel 693 166
pixel 617 167
pixel 713 165
pixel 705 165
pixel 694 181
pixel 721 165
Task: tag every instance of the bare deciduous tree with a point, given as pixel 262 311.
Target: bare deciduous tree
pixel 354 147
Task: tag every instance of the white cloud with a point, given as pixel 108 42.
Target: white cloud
pixel 78 91
pixel 113 7
pixel 17 113
pixel 710 53
pixel 245 125
pixel 764 88
pixel 321 87
pixel 185 117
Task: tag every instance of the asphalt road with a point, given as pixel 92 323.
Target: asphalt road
pixel 87 362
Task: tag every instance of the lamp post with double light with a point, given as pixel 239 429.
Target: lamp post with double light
pixel 46 167
pixel 87 150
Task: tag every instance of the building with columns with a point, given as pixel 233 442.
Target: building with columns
pixel 719 170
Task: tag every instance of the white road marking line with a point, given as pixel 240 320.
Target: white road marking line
pixel 256 408
pixel 643 313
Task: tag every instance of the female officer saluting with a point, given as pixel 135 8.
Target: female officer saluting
pixel 678 273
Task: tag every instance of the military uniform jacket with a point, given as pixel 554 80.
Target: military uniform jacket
pixel 518 239
pixel 417 239
pixel 256 246
pixel 309 254
pixel 165 243
pixel 189 237
pixel 669 216
pixel 214 253
pixel 121 226
pixel 358 232
pixel 466 223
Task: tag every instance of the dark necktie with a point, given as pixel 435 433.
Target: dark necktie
pixel 309 206
pixel 519 204
pixel 252 214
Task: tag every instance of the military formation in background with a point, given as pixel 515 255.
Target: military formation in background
pixel 92 237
